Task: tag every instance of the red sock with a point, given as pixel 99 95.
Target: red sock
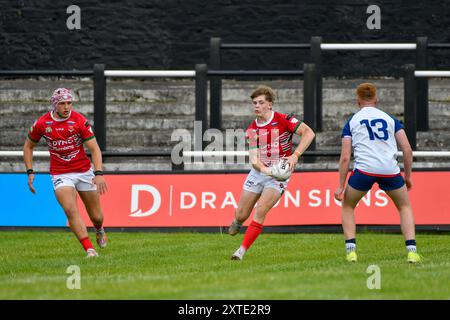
pixel 253 231
pixel 86 243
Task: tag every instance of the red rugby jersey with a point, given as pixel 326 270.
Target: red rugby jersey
pixel 273 138
pixel 65 139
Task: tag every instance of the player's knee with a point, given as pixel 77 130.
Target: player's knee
pixel 404 207
pixel 348 205
pixel 240 214
pixel 97 218
pixel 259 218
pixel 71 211
pixel 261 212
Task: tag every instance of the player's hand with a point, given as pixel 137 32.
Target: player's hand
pixel 30 183
pixel 267 171
pixel 339 194
pixel 408 182
pixel 292 160
pixel 100 182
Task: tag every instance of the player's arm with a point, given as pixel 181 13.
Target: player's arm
pixel 308 136
pixel 96 156
pixel 344 163
pixel 256 162
pixel 28 148
pixel 253 149
pixel 403 143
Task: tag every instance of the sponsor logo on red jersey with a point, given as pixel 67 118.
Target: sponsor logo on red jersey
pixel 65 141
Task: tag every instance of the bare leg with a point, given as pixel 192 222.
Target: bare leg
pixel 401 200
pixel 91 201
pixel 67 198
pixel 351 199
pixel 246 204
pixel 269 198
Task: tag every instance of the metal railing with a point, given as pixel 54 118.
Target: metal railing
pixel 316 46
pixel 412 99
pixel 416 82
pixel 420 47
pixel 224 153
pixel 309 91
pixel 59 73
pixel 201 75
pixel 215 62
pixel 316 153
pixel 309 153
pixel 99 75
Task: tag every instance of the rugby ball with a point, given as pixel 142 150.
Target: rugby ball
pixel 281 170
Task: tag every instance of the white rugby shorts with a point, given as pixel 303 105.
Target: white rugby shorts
pixel 256 182
pixel 81 181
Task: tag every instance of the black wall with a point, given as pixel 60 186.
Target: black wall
pixel 175 34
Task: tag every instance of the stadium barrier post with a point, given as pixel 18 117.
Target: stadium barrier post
pixel 310 104
pixel 316 54
pixel 100 105
pixel 201 100
pixel 410 112
pixel 178 167
pixel 422 85
pixel 215 84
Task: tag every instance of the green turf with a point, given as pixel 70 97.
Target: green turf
pixel 33 265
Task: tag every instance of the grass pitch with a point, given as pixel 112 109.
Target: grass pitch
pixel 195 266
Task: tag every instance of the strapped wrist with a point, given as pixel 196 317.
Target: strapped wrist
pixel 98 173
pixel 30 171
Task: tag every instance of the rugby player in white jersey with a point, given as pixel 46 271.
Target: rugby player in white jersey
pixel 374 136
pixel 270 139
pixel 65 132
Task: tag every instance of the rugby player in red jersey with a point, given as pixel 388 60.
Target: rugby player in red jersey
pixel 270 139
pixel 65 131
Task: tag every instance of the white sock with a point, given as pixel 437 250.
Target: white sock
pixel 240 252
pixel 349 247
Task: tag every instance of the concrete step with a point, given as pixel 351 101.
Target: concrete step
pixel 139 140
pixel 127 122
pixel 143 114
pixel 182 90
pixel 157 136
pixel 87 109
pixel 151 90
pixel 329 108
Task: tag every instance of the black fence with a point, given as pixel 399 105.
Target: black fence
pixel 316 48
pixel 201 75
pixel 416 89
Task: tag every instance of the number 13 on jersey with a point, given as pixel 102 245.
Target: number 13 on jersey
pixel 380 125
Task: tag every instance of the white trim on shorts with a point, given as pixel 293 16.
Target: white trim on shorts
pixel 256 182
pixel 80 181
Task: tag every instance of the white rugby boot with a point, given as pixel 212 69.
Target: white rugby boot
pixel 238 254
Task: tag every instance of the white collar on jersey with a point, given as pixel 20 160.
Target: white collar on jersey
pixel 265 123
pixel 58 119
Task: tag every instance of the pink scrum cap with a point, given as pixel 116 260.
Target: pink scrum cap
pixel 59 95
